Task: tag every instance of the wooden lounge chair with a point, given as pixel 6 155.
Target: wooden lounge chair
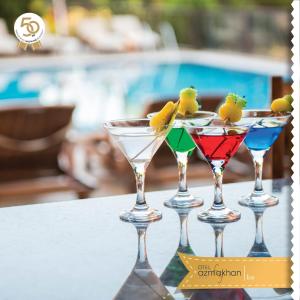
pixel 32 147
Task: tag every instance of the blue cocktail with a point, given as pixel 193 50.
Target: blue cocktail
pixel 262 138
pixel 265 131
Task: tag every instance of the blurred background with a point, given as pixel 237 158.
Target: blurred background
pixel 104 59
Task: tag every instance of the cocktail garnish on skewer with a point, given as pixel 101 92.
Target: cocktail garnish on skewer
pixel 282 105
pixel 279 107
pixel 186 105
pixel 165 116
pixel 231 110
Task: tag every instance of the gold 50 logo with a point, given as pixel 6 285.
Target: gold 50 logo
pixel 29 30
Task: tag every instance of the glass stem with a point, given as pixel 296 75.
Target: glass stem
pixel 218 177
pixel 184 240
pixel 219 230
pixel 258 160
pixel 182 160
pixel 142 251
pixel 139 172
pixel 259 238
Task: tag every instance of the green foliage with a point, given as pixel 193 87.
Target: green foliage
pixel 11 9
pixel 39 6
pixel 160 10
pixel 285 3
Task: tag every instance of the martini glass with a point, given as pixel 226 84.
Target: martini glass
pixel 259 140
pixel 218 143
pixel 139 142
pixel 182 145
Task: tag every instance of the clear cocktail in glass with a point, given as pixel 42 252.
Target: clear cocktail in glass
pixel 139 142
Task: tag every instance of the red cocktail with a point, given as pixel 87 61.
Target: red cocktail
pixel 218 143
pixel 219 147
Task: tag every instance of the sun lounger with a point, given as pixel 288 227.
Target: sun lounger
pixel 117 34
pixel 34 155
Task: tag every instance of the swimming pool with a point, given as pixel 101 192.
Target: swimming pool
pixel 107 90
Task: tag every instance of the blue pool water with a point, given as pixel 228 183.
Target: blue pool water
pixel 167 80
pixel 262 138
pixel 142 82
pixel 110 91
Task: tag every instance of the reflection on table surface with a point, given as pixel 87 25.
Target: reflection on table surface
pixel 80 249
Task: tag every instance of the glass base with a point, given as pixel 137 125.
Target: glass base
pixel 224 215
pixel 259 200
pixel 183 200
pixel 141 216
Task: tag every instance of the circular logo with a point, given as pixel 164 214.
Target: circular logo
pixel 29 28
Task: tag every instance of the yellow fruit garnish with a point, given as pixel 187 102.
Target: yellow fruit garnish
pixel 163 117
pixel 187 101
pixel 231 111
pixel 283 104
pixel 187 104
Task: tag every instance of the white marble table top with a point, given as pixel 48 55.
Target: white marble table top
pixel 76 250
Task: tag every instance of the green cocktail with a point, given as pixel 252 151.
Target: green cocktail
pixel 182 145
pixel 179 140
